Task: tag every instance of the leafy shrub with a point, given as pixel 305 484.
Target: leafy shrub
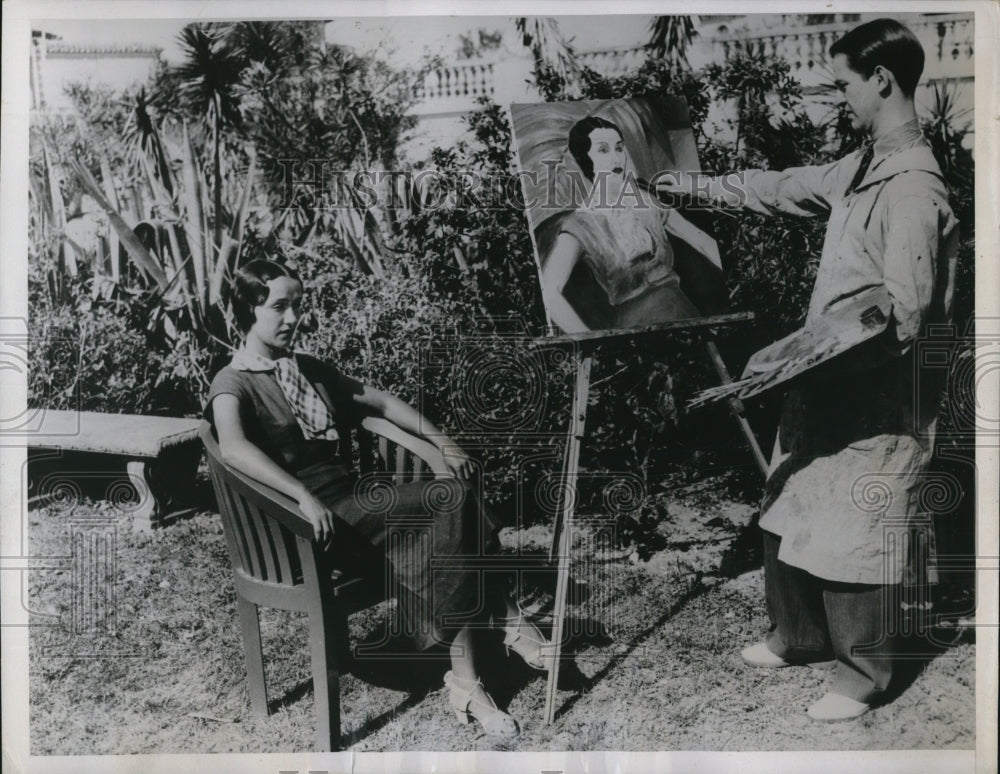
pixel 420 301
pixel 95 349
pixel 93 360
pixel 412 336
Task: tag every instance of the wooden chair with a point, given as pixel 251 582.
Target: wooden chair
pixel 277 563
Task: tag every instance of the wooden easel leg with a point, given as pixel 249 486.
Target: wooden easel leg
pixel 736 409
pixel 561 533
pixel 561 530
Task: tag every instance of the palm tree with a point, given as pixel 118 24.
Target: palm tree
pixel 265 43
pixel 550 50
pixel 142 136
pixel 670 38
pixel 207 83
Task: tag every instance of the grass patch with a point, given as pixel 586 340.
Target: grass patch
pixel 654 664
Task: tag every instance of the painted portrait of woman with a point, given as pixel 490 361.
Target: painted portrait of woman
pixel 608 250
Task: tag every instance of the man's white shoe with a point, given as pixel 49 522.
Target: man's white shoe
pixel 833 707
pixel 760 655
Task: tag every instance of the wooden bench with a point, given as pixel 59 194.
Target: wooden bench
pixel 161 453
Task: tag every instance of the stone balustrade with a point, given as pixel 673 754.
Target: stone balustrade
pixel 947 40
pixel 613 62
pixel 466 81
pixel 455 88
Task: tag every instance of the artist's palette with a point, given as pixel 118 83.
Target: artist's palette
pixel 848 324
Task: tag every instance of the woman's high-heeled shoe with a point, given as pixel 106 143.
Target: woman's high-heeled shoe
pixel 524 638
pixel 467 706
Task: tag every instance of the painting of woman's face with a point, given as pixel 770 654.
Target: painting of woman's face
pixel 607 152
pixel 610 255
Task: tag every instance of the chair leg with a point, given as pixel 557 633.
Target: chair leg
pixel 250 624
pixel 325 643
pixel 345 658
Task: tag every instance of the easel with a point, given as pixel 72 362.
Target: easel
pixel 584 344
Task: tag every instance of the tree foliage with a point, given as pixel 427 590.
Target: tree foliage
pixel 411 293
pixel 168 173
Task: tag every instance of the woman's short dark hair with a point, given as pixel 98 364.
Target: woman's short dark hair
pixel 250 288
pixel 579 141
pixel 883 42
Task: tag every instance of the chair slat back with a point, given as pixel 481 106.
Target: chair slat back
pixel 383 452
pixel 345 449
pixel 399 462
pixel 265 565
pixel 236 537
pixel 260 546
pixel 402 455
pixel 403 469
pixel 261 524
pixel 284 551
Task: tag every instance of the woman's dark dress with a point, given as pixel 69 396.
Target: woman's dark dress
pixel 643 288
pixel 419 527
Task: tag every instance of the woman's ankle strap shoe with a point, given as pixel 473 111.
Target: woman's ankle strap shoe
pixel 525 639
pixel 468 705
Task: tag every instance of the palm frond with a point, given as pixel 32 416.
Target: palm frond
pixel 548 47
pixel 143 136
pixel 194 216
pixel 209 73
pixel 670 37
pixel 133 245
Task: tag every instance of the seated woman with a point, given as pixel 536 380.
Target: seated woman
pixel 274 414
pixel 623 237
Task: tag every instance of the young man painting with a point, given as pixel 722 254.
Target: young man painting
pixel 833 562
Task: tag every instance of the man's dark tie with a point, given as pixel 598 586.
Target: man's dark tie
pixel 866 161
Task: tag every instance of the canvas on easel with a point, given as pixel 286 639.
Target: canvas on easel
pixel 611 254
pixel 615 261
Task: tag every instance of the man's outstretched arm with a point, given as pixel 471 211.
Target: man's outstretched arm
pixel 803 191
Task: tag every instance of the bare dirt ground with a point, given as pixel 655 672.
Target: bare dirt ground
pixel 652 657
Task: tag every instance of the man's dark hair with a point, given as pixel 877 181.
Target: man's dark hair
pixel 250 288
pixel 883 42
pixel 579 141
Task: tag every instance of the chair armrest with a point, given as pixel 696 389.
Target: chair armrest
pixel 273 503
pixel 277 505
pixel 429 453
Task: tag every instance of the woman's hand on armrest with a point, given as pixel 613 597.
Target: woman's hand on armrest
pixel 237 450
pixel 319 516
pixel 407 418
pixel 457 460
